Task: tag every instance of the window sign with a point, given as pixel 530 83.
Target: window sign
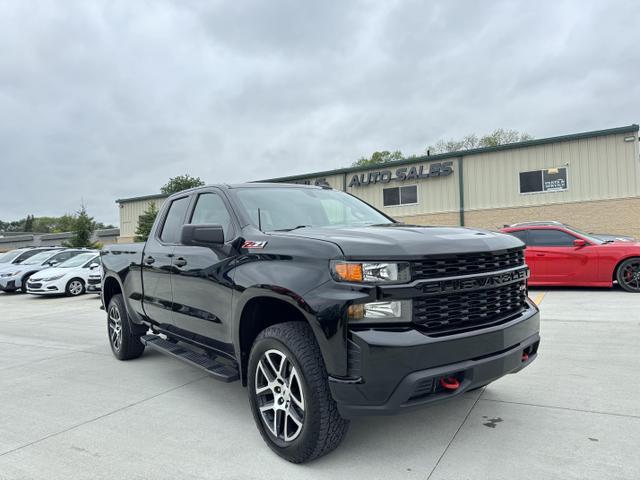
pixel 547 180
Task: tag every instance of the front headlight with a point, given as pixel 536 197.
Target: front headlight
pixel 380 312
pixel 51 279
pixel 371 272
pixel 11 274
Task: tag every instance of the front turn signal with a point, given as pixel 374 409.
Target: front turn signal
pixel 348 272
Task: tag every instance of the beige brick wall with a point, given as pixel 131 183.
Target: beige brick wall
pixel 620 216
pixel 448 218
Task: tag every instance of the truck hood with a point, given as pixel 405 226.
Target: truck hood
pixel 393 241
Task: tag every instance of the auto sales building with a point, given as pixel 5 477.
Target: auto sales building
pixel 590 180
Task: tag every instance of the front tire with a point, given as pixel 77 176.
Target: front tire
pixel 75 287
pixel 23 286
pixel 628 275
pixel 124 335
pixel 289 394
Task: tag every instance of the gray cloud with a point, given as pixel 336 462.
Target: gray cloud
pixel 106 99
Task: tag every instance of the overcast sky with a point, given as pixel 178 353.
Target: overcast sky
pixel 107 99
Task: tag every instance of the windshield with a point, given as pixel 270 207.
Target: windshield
pixel 286 208
pixel 10 256
pixel 78 260
pixel 39 258
pixel 589 237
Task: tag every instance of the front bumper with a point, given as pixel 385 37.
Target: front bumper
pixel 43 288
pixel 94 285
pixel 8 284
pixel 394 370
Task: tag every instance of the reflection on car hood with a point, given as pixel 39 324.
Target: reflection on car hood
pixel 19 267
pixel 407 240
pixel 52 271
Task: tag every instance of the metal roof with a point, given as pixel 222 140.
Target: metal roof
pixel 407 161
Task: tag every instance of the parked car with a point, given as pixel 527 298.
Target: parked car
pixel 558 254
pixel 94 282
pixel 601 236
pixel 17 256
pixel 324 307
pixel 14 277
pixel 70 277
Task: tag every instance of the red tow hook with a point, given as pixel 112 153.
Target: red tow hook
pixel 450 383
pixel 525 356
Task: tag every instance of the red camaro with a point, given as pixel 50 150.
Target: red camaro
pixel 558 254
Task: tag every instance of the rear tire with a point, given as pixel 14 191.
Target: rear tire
pixel 286 371
pixel 628 275
pixel 124 335
pixel 75 287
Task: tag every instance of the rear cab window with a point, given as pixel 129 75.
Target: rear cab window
pixel 174 220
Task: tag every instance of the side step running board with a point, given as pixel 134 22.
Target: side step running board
pixel 219 368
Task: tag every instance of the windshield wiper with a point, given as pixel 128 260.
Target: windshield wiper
pixel 290 229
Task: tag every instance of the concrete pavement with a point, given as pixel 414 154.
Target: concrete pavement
pixel 69 410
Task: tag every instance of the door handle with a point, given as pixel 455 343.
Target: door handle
pixel 179 262
pixel 540 254
pixel 149 260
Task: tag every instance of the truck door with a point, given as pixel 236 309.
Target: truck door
pixel 202 285
pixel 156 263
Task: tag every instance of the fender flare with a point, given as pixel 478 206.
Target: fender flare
pixel 293 299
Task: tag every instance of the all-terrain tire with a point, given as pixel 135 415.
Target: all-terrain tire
pixel 124 341
pixel 322 426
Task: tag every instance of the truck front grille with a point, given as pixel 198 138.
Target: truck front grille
pixel 455 312
pixel 440 266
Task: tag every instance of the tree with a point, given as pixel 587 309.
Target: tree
pixel 378 158
pixel 83 230
pixel 28 223
pixel 145 222
pixel 499 136
pixel 181 182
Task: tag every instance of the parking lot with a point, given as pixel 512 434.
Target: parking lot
pixel 68 409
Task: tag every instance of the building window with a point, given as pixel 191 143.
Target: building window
pixel 547 180
pixel 400 196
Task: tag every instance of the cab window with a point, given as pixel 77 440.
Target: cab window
pixel 549 238
pixel 174 221
pixel 211 209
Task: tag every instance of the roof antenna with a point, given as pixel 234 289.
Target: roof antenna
pixel 259 221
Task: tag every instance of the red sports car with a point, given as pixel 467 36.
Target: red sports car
pixel 558 254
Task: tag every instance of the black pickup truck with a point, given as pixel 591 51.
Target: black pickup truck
pixel 324 307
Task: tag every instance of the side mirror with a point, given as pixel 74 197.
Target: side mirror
pixel 578 242
pixel 52 263
pixel 93 266
pixel 203 235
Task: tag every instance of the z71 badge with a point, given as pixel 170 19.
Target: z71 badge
pixel 252 244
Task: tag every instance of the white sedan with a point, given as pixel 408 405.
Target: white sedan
pixel 68 278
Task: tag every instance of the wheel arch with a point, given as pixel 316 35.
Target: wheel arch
pixel 614 274
pixel 111 286
pixel 262 309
